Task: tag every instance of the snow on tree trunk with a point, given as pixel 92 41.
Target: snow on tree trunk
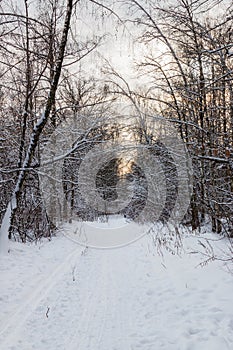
pixel 5 227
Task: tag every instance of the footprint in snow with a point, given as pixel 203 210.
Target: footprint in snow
pixel 150 292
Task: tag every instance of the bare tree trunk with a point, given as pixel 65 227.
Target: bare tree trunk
pixel 28 90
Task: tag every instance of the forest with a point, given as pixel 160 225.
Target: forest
pixel 58 67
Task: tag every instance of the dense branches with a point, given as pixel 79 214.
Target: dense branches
pixel 192 81
pixel 187 67
pixel 39 125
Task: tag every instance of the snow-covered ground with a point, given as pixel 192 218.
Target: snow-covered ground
pixel 59 295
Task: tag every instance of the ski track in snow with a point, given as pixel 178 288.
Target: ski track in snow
pixel 119 299
pixel 16 320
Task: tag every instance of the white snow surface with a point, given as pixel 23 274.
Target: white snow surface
pixel 58 295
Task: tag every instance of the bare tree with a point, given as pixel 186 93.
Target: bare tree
pixel 191 83
pixel 37 130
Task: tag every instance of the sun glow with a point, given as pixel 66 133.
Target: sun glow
pixel 124 167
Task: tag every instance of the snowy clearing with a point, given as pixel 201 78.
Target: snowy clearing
pixel 59 295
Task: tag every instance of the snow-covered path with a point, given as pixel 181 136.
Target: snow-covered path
pixel 62 296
